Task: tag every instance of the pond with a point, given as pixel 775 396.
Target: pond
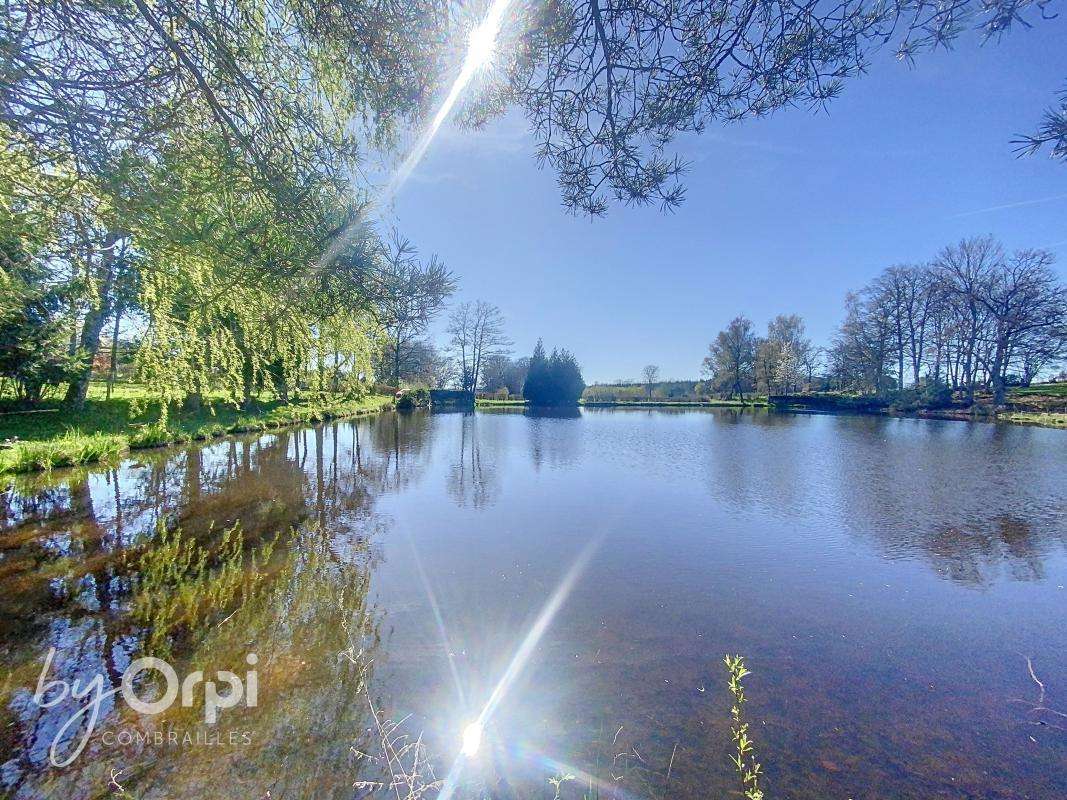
pixel 897 587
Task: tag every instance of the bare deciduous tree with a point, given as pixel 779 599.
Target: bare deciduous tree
pixel 650 376
pixel 408 294
pixel 970 317
pixel 1022 298
pixel 731 358
pixel 477 334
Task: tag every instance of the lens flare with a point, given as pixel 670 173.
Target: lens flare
pixel 480 47
pixel 522 655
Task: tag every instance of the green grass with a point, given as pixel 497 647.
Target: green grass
pixel 1045 419
pixel 490 402
pixel 1040 390
pixel 52 436
pixel 66 450
pixel 654 403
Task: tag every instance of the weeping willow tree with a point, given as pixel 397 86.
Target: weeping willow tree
pixel 33 310
pixel 235 294
pixel 217 143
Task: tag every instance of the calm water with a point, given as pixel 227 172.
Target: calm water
pixel 886 579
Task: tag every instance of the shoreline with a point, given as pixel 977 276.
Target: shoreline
pixel 978 412
pixel 78 448
pixel 859 406
pixel 675 403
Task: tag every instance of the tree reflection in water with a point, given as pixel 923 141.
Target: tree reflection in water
pixel 474 479
pixel 71 549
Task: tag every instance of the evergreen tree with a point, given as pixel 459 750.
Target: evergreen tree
pixel 536 388
pixel 567 381
pixel 553 381
pixel 33 347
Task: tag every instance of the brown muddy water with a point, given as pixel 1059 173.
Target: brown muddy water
pixel 887 580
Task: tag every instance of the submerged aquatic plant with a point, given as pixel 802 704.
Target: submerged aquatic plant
pixel 744 758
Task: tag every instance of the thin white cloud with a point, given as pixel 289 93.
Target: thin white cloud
pixel 504 135
pixel 1006 206
pixel 744 143
pixel 431 176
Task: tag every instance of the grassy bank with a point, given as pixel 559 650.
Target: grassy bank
pixel 488 402
pixel 1044 405
pixel 52 436
pixel 1050 390
pixel 755 402
pixel 1042 418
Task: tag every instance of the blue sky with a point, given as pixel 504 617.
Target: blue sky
pixel 783 215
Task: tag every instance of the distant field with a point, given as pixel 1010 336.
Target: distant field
pixel 662 393
pixel 489 401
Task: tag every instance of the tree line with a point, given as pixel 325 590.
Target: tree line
pixel 740 362
pixel 478 358
pixel 181 177
pixel 975 317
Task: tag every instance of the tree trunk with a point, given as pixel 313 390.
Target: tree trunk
pixel 276 370
pixel 996 372
pixel 93 324
pixel 247 380
pixel 112 373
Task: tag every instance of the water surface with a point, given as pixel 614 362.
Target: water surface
pixel 886 579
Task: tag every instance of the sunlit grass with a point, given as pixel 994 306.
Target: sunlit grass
pixel 1045 419
pixel 1040 389
pixel 489 402
pixel 130 420
pixel 69 449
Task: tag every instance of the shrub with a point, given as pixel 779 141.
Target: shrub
pixel 69 450
pixel 418 397
pixel 155 435
pixel 936 395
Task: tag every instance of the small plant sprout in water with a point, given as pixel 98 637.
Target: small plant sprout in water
pixel 557 781
pixel 744 756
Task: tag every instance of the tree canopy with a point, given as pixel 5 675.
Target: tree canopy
pixel 607 86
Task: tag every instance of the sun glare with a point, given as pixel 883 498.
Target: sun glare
pixel 482 43
pixel 472 739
